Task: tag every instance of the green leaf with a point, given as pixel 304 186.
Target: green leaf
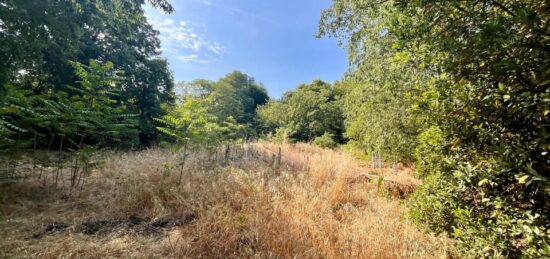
pixel 523 179
pixel 483 182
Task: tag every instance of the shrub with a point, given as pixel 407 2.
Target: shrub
pixel 428 151
pixel 488 210
pixel 281 135
pixel 325 141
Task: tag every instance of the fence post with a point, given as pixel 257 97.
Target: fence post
pixel 226 155
pixel 279 158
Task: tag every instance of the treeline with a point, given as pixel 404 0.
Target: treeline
pixel 88 73
pixel 461 88
pixel 75 72
pixel 81 76
pixel 209 113
pixel 311 112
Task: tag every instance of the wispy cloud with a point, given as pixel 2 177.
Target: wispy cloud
pixel 193 58
pixel 205 2
pixel 181 39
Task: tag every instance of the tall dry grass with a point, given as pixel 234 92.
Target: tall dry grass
pixel 246 205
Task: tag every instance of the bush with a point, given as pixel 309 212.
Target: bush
pixel 280 136
pixel 428 151
pixel 325 141
pixel 488 210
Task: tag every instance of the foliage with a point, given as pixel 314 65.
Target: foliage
pixel 192 122
pixel 235 95
pixel 376 116
pixel 306 113
pixel 15 102
pixel 281 135
pixel 249 94
pixel 472 203
pixel 273 114
pixel 383 82
pixel 86 112
pixel 429 150
pixel 76 120
pixel 41 38
pixel 103 119
pixel 480 104
pixel 326 141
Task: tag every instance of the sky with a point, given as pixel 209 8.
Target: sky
pixel 271 40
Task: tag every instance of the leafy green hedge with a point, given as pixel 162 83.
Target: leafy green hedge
pixel 487 209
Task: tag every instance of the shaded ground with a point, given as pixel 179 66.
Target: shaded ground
pixel 131 225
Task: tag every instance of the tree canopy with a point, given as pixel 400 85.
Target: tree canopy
pixel 235 95
pixel 40 39
pixel 305 113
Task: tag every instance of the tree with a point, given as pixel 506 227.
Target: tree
pixel 306 113
pixel 192 122
pixel 485 153
pixel 73 124
pixel 236 95
pixel 86 113
pixel 273 114
pixel 249 94
pixel 377 105
pixel 41 38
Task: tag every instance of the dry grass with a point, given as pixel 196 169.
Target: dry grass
pixel 308 206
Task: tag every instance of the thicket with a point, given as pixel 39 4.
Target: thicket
pixel 210 114
pixel 65 123
pixel 304 114
pixel 464 87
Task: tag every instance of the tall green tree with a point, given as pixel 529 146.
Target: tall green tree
pixel 236 95
pixel 250 95
pixel 39 39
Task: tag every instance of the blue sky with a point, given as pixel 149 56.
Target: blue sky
pixel 270 40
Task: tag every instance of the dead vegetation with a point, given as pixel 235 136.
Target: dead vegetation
pixel 257 200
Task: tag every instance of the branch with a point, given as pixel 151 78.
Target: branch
pixel 504 8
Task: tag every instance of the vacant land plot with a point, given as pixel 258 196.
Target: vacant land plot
pixel 257 200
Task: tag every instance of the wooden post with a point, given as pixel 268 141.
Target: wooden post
pixel 226 155
pixel 279 158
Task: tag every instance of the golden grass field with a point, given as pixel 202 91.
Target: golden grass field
pixel 314 203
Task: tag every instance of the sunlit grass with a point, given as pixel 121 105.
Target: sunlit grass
pixel 312 205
